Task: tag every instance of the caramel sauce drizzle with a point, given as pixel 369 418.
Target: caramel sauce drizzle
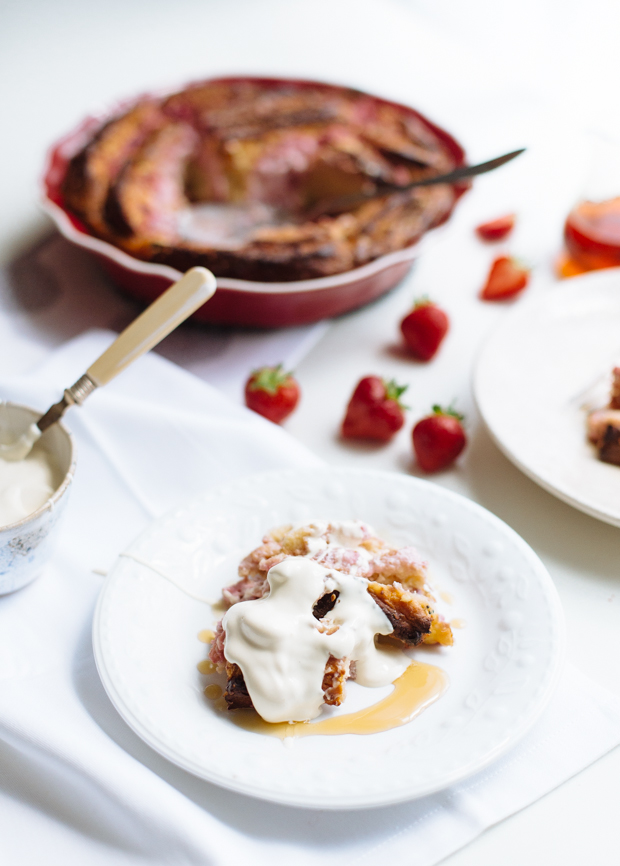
pixel 205 666
pixel 213 692
pixel 414 690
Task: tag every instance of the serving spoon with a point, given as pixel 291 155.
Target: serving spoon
pixel 345 202
pixel 175 305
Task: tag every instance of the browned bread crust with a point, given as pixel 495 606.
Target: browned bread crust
pixel 96 167
pixel 142 204
pixel 337 671
pixel 236 695
pixel 609 446
pixel 261 157
pixel 410 614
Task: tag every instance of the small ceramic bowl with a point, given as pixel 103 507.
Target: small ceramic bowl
pixel 237 302
pixel 26 545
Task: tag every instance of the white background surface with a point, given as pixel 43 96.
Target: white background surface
pixel 498 75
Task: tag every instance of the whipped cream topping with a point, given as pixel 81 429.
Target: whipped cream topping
pixel 20 448
pixel 26 484
pixel 282 649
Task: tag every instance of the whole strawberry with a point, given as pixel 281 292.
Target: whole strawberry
pixel 272 393
pixel 374 410
pixel 438 439
pixel 424 329
pixel 506 278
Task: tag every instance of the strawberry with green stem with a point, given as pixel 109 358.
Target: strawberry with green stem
pixel 375 411
pixel 438 439
pixel 272 393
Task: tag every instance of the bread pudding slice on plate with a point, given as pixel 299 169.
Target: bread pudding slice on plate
pixel 340 576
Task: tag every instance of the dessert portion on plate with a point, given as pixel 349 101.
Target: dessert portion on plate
pixel 313 608
pixel 238 175
pixel 604 425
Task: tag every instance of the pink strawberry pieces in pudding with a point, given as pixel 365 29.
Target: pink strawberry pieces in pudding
pixel 349 547
pixel 216 653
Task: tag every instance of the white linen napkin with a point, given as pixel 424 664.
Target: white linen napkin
pixel 77 785
pixel 54 291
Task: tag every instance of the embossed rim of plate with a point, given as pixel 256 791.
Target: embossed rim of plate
pixel 370 795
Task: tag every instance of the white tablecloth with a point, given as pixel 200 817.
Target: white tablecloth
pixel 77 785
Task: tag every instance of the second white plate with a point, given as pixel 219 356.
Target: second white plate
pixel 502 667
pixel 551 356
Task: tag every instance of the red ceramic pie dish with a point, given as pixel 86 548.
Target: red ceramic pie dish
pixel 237 301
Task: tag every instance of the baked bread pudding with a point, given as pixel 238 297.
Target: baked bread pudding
pixel 241 175
pixel 604 425
pixel 315 606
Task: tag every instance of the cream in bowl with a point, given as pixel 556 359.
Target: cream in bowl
pixel 33 493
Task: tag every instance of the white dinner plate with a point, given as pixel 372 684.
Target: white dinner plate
pixel 537 376
pixel 502 668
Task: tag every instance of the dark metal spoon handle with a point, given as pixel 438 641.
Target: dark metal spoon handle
pixel 465 171
pixel 346 202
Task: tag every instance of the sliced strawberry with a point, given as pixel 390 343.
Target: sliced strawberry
pixel 374 410
pixel 496 230
pixel 424 329
pixel 507 278
pixel 438 439
pixel 272 393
